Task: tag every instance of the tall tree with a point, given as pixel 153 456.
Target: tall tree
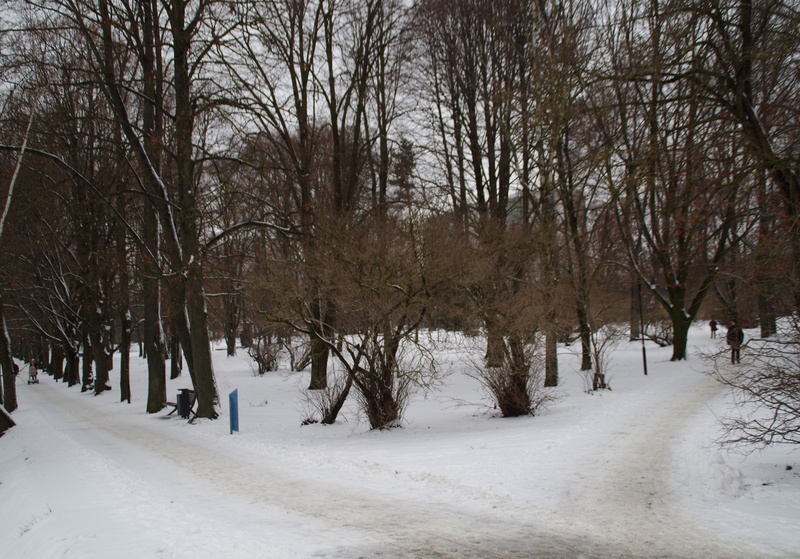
pixel 190 28
pixel 751 74
pixel 675 197
pixel 8 393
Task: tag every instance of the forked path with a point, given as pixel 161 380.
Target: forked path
pixel 628 511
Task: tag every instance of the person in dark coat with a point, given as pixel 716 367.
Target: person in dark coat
pixel 713 326
pixel 735 338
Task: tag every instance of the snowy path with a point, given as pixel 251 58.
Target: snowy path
pixel 211 487
pixel 624 510
pixel 631 497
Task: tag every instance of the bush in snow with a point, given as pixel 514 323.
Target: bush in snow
pixel 264 351
pixel 765 387
pixel 323 405
pixel 516 384
pixel 603 341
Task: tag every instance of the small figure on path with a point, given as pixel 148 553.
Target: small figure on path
pixel 713 326
pixel 33 373
pixel 735 338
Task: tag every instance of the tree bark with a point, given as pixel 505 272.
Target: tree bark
pixel 635 321
pixel 9 389
pixel 56 367
pixel 680 326
pixel 551 359
pixel 200 368
pixel 125 356
pixel 204 382
pixel 95 321
pixel 86 369
pixel 176 357
pixel 71 369
pixel 323 317
pixel 495 345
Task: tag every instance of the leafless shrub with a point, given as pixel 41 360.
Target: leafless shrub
pixel 388 374
pixel 264 351
pixel 660 332
pixel 604 342
pixel 765 389
pixel 299 351
pixel 324 405
pixel 382 279
pixel 517 384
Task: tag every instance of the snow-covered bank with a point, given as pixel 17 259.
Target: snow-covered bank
pixel 629 472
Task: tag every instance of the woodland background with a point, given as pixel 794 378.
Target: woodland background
pixel 328 177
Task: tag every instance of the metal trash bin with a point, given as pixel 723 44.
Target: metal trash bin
pixel 184 405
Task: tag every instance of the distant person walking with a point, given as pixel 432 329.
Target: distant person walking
pixel 713 326
pixel 33 373
pixel 735 338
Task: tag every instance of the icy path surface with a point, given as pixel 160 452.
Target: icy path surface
pixel 173 493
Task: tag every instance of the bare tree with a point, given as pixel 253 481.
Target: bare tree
pixel 189 30
pixel 669 172
pixel 474 65
pixel 8 394
pixel 381 278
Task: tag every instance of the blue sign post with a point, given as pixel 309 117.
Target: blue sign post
pixel 233 399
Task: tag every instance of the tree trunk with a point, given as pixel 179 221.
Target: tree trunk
pixel 182 330
pixel 9 388
pixel 319 364
pixel 635 316
pixel 126 323
pixel 599 381
pixel 86 370
pixel 56 367
pixel 551 272
pixel 152 341
pixel 767 318
pixel 154 350
pixel 319 348
pixel 382 406
pixel 586 337
pixel 176 358
pixel 765 272
pixel 495 346
pixel 577 260
pixel 43 352
pixel 514 398
pixel 71 372
pixel 125 357
pixel 551 358
pixel 246 338
pixel 230 338
pixel 204 383
pixel 231 309
pixel 99 354
pixel 200 367
pixel 680 332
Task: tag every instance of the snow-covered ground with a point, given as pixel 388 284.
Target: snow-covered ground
pixel 630 472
